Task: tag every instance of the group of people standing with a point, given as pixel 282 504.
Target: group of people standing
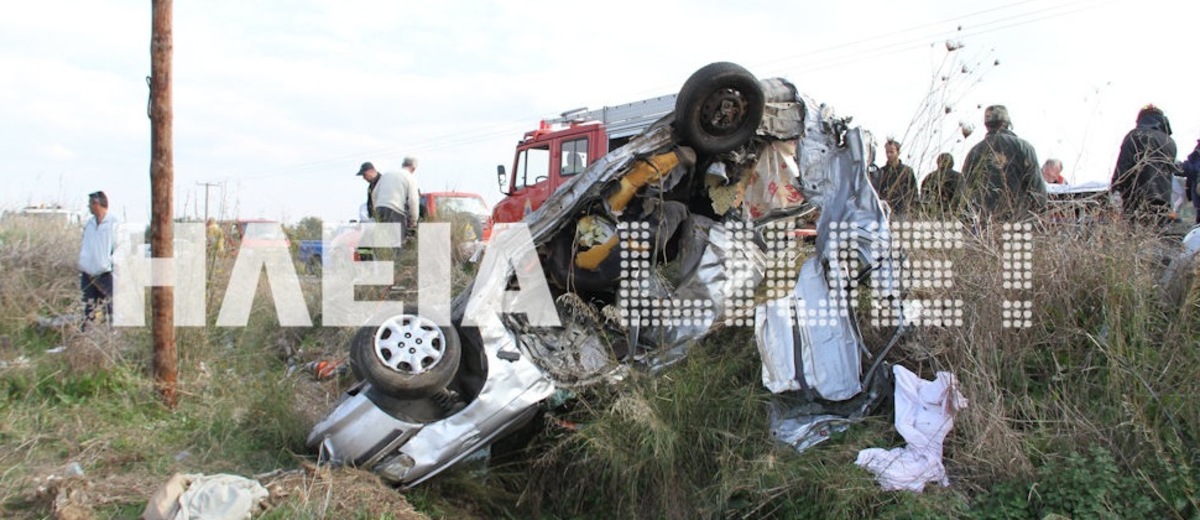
pixel 1001 178
pixel 393 197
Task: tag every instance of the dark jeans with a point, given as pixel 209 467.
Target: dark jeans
pixel 389 215
pixel 96 290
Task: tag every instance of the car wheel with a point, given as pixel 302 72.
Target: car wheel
pixel 407 356
pixel 719 108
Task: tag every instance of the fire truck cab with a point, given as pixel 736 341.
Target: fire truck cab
pixel 565 146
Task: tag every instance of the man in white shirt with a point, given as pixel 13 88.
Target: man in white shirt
pixel 96 258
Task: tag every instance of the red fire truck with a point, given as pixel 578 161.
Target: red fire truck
pixel 565 146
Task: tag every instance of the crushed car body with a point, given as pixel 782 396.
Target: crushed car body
pixel 647 251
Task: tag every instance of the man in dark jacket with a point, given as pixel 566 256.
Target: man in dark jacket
pixel 940 188
pixel 1144 169
pixel 1002 178
pixel 895 182
pixel 1191 170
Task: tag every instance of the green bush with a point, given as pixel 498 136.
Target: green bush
pixel 1088 484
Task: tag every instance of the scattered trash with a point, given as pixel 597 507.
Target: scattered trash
pixel 16 363
pixel 67 497
pixel 222 496
pixel 322 369
pixel 57 350
pixel 55 322
pixel 74 469
pixel 179 457
pixel 925 413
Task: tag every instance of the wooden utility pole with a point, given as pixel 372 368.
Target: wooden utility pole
pixel 162 208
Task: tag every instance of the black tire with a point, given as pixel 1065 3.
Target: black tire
pixel 362 335
pixel 719 108
pixel 407 356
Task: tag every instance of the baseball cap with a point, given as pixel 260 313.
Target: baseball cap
pixel 365 166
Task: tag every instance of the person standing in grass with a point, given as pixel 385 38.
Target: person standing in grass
pixel 940 188
pixel 1145 167
pixel 394 197
pixel 96 259
pixel 1191 171
pixel 1001 175
pixel 895 182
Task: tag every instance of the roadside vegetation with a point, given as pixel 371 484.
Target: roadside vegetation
pixel 1091 412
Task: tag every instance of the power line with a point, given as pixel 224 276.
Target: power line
pixel 517 127
pixel 207 185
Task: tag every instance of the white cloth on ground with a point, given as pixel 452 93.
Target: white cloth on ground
pixel 925 413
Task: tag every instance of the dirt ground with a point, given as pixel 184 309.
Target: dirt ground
pixel 307 491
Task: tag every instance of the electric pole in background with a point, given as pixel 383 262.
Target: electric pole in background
pixel 162 171
pixel 206 185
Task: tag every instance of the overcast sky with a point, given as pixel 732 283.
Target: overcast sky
pixel 279 102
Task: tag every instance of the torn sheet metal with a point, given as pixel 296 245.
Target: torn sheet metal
pixel 806 341
pixel 729 268
pixel 925 413
pixel 810 342
pixel 811 339
pixel 784 114
pixel 801 421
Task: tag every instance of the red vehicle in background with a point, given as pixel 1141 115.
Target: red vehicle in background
pixel 563 147
pixel 468 212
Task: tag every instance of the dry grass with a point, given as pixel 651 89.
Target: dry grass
pixel 37 272
pixel 92 402
pixel 321 492
pixel 1100 351
pixel 1104 363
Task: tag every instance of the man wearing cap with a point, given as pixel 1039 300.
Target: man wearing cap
pixel 1002 177
pixel 368 173
pixel 895 181
pixel 1144 170
pixel 96 258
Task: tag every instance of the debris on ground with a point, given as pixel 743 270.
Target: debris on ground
pixel 55 322
pixel 221 496
pixel 19 362
pixel 925 413
pixel 322 369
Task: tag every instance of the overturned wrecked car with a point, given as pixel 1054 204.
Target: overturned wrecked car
pixel 691 226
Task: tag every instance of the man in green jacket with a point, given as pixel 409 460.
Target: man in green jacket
pixel 941 187
pixel 1002 176
pixel 895 182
